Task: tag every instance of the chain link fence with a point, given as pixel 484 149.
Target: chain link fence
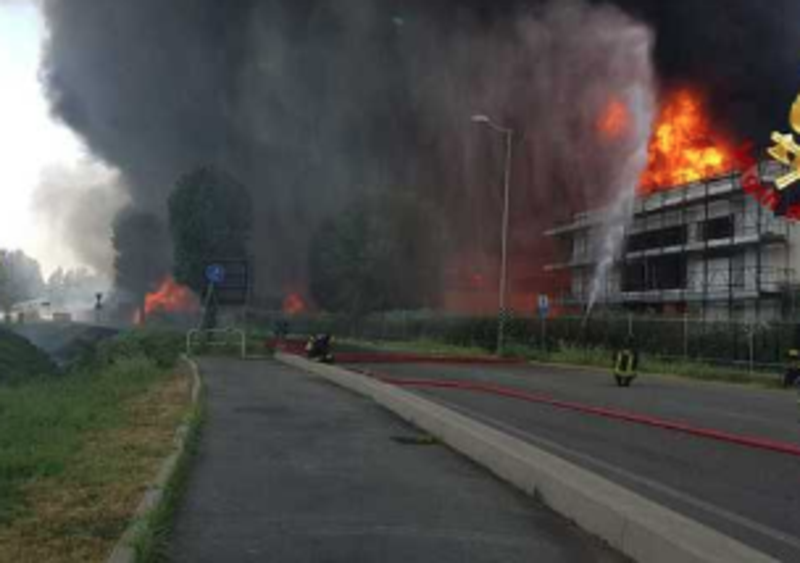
pixel 756 346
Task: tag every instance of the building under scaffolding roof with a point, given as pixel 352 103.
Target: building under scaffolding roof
pixel 707 249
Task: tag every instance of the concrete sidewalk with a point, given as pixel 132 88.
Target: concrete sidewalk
pixel 293 469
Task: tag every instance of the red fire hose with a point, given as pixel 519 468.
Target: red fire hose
pixel 634 418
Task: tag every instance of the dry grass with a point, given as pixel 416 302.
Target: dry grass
pixel 78 515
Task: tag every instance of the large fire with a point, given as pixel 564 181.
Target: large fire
pixel 293 304
pixel 171 298
pixel 684 148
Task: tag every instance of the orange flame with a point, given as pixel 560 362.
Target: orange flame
pixel 683 147
pixel 171 298
pixel 613 123
pixel 293 304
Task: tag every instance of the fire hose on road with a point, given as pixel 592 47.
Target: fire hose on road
pixel 633 418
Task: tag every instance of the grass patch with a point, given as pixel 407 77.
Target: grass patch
pixel 77 452
pixel 603 358
pixel 151 543
pixel 703 371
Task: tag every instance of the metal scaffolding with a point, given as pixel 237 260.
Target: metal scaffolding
pixel 689 249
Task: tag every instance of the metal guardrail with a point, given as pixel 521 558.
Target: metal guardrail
pixel 242 337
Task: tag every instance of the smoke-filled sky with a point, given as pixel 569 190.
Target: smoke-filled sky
pixel 310 102
pixel 29 139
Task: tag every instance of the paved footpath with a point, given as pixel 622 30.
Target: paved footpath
pixel 293 469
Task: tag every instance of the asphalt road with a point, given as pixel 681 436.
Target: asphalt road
pixel 291 468
pixel 750 494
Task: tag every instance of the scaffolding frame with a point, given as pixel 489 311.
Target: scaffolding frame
pixel 736 284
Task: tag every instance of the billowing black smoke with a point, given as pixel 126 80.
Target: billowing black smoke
pixel 745 54
pixel 308 102
pixel 304 101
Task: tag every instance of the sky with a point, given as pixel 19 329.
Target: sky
pixel 30 140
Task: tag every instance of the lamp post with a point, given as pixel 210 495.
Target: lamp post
pixel 509 139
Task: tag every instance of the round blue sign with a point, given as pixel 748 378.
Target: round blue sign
pixel 215 273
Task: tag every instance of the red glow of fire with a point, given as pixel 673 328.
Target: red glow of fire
pixel 476 280
pixel 293 304
pixel 684 148
pixel 613 123
pixel 170 298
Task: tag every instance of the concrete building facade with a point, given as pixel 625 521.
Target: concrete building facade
pixel 706 248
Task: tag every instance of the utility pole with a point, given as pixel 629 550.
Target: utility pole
pixel 508 133
pixel 98 308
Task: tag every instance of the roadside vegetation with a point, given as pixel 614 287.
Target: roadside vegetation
pixel 603 358
pixel 729 348
pixel 78 448
pixel 21 360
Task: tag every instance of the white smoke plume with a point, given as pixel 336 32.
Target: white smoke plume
pixel 74 207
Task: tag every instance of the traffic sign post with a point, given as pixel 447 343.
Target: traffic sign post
pixel 543 303
pixel 215 274
pixel 229 280
pixel 228 285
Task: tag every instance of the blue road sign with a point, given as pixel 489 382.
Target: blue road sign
pixel 215 273
pixel 544 305
pixel 230 280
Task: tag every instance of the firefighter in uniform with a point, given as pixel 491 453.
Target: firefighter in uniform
pixel 626 363
pixel 318 348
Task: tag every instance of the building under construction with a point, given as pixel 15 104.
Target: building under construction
pixel 706 248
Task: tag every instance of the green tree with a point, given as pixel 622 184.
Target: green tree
pixel 20 279
pixel 382 253
pixel 210 218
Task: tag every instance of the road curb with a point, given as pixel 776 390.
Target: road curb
pixel 125 549
pixel 632 524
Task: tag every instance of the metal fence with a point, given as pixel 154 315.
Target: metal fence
pixel 732 343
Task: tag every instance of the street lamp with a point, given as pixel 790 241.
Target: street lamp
pixel 509 137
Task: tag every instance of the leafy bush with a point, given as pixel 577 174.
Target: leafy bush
pixel 162 347
pixel 19 359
